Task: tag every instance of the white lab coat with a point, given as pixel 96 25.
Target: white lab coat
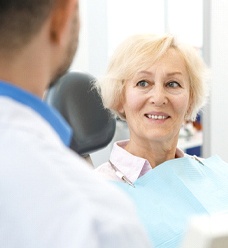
pixel 49 198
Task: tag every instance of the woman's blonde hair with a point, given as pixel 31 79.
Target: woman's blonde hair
pixel 141 51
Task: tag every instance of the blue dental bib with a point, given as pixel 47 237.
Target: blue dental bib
pixel 168 195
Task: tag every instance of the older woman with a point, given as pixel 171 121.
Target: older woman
pixel 155 83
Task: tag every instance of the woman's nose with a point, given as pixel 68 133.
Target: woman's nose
pixel 158 95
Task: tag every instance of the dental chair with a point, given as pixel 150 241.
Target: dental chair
pixel 79 103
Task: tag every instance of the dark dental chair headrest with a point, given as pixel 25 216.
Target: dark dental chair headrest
pixel 74 97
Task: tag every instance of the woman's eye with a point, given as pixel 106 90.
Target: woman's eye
pixel 142 83
pixel 173 84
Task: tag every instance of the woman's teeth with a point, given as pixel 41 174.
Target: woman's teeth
pixel 157 117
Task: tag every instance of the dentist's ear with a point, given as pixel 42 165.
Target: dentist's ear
pixel 61 18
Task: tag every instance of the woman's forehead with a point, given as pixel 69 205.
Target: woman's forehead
pixel 172 63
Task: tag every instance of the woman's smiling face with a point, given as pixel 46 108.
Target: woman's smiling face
pixel 157 99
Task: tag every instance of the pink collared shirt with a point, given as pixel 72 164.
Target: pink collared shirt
pixel 131 166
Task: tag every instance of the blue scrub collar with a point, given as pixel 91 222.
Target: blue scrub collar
pixel 51 115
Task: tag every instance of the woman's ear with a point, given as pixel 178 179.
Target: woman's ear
pixel 121 113
pixel 61 18
pixel 121 110
pixel 120 107
pixel 189 112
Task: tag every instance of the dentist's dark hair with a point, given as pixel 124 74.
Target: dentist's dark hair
pixel 21 19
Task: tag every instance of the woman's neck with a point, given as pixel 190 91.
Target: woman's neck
pixel 155 152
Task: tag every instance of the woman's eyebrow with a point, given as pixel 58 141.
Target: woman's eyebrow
pixel 150 73
pixel 144 73
pixel 174 73
pixel 140 74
